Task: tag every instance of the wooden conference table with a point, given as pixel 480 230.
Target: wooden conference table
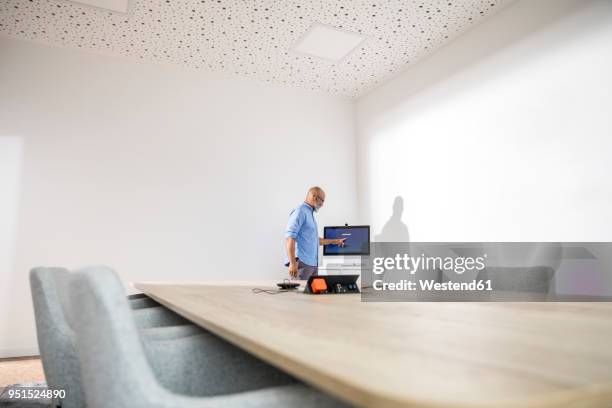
pixel 413 354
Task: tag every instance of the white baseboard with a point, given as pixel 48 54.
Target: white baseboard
pixel 19 352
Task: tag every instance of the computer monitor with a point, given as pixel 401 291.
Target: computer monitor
pixel 357 240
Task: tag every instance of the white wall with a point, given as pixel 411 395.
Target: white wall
pixel 505 134
pixel 160 172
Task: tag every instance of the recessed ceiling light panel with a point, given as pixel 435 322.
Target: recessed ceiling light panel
pixel 114 5
pixel 328 42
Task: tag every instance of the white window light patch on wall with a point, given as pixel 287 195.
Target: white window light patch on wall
pixel 328 42
pixel 121 6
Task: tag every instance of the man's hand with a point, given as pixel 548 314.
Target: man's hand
pixel 339 242
pixel 293 265
pixel 293 270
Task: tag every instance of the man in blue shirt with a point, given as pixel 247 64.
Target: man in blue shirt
pixel 301 232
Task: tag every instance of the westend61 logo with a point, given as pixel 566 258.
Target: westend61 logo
pixel 487 272
pixel 412 264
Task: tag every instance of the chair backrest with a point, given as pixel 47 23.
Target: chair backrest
pixel 537 279
pixel 55 337
pixel 114 368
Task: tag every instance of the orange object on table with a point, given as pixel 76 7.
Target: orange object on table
pixel 318 285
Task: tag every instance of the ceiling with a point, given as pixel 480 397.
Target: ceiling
pixel 254 38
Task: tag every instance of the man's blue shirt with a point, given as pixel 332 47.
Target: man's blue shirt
pixel 303 228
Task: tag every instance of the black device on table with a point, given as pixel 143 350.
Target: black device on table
pixel 288 285
pixel 332 284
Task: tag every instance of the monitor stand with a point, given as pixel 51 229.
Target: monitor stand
pixel 339 265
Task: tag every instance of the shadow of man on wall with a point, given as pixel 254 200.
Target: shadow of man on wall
pixel 394 229
pixel 393 239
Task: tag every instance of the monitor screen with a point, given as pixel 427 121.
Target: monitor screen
pixel 357 240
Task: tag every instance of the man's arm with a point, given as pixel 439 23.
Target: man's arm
pixel 339 241
pixel 296 220
pixel 290 247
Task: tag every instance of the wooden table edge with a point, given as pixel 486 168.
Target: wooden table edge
pixel 582 397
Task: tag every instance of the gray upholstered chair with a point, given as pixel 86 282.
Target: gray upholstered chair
pixel 536 279
pixel 55 336
pixel 119 369
pixel 141 301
